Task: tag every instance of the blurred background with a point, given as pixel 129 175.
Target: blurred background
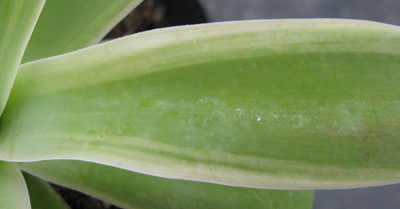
pixel 162 13
pixel 223 10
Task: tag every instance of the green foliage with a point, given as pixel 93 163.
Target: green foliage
pixel 180 117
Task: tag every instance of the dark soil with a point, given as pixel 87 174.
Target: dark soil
pixel 148 15
pixel 153 14
pixel 78 200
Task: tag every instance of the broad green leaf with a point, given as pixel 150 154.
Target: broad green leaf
pixel 42 195
pixel 13 191
pixel 17 19
pixel 68 25
pixel 287 104
pixel 132 190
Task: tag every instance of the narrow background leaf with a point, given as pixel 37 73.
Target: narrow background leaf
pixel 17 20
pixel 42 195
pixel 69 25
pixel 13 191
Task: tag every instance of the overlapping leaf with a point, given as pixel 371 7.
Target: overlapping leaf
pixel 68 25
pixel 42 195
pixel 132 190
pixel 13 191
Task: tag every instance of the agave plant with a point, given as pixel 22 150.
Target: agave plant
pixel 221 115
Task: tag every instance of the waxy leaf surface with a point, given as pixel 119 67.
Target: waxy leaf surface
pixel 271 104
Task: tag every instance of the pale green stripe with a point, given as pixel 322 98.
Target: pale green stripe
pixel 171 48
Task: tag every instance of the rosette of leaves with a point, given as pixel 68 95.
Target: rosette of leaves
pixel 221 115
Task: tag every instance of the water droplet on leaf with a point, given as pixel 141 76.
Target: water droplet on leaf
pixel 205 105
